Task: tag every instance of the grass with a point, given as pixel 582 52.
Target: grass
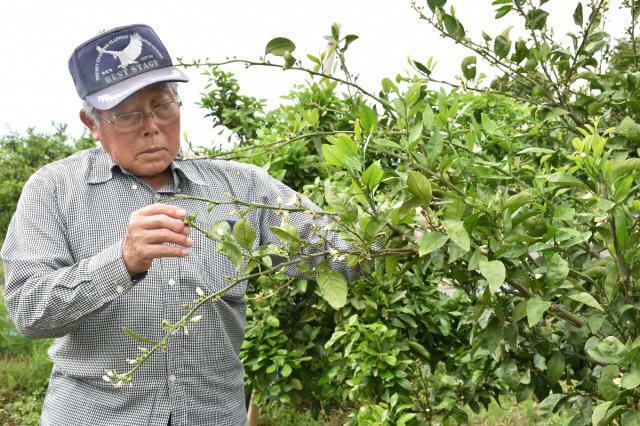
pixel 24 373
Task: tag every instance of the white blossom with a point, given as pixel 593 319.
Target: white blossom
pixel 199 291
pixel 196 318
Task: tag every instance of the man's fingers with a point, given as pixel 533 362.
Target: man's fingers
pixel 163 209
pixel 162 222
pixel 155 251
pixel 160 236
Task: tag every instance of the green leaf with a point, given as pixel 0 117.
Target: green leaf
pixel 311 116
pixel 386 143
pixel 501 46
pixel 494 272
pixel 557 270
pixel 420 187
pixel 373 175
pixel 587 299
pixel 137 337
pixel 273 321
pixel 517 200
pixel 536 150
pixel 428 118
pixel 536 308
pixel 402 421
pixel 548 405
pixel 577 15
pixel 536 19
pixel 625 167
pixel 455 230
pixel 564 179
pixel 333 286
pixel 606 387
pixel 415 136
pixel 296 384
pixel 468 67
pixel 431 241
pixel 279 46
pixel 630 418
pixel 333 155
pixel 520 311
pixel 368 118
pixel 417 347
pixel 348 39
pixel 345 143
pixel 502 11
pixel 289 60
pixel 434 4
pixel 453 27
pixel 555 366
pixel 231 251
pixel 286 370
pixel 287 233
pixel 219 230
pixel 610 350
pixel 599 412
pixel 244 234
pixel 629 129
pixel 631 379
pixel 422 68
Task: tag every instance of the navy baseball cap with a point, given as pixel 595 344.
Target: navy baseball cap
pixel 119 62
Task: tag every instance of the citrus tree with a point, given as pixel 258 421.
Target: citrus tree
pixel 496 228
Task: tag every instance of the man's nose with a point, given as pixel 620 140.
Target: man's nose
pixel 149 124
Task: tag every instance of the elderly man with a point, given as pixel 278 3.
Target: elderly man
pixel 91 250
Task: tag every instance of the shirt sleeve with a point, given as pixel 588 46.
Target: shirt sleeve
pixel 313 229
pixel 48 293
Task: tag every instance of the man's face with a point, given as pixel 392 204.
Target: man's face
pixel 147 151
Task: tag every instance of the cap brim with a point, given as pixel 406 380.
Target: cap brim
pixel 111 96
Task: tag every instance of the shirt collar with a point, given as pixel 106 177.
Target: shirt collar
pixel 188 169
pixel 103 165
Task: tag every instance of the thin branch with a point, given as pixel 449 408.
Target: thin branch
pixel 250 63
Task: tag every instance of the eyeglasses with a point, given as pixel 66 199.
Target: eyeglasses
pixel 163 114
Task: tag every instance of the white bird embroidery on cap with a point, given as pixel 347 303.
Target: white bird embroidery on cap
pixel 129 54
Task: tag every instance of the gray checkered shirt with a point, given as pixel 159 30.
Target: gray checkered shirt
pixel 65 278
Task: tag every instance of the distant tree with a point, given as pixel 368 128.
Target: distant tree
pixel 21 155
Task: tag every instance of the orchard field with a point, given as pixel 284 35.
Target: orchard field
pixel 496 222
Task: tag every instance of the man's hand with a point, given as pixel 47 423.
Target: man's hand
pixel 147 232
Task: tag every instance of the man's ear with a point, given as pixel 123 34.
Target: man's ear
pixel 95 130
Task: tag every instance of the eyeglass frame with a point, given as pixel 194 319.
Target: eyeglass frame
pixel 143 115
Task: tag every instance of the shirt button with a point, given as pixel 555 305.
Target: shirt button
pixel 172 377
pixel 134 186
pixel 172 282
pixel 119 289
